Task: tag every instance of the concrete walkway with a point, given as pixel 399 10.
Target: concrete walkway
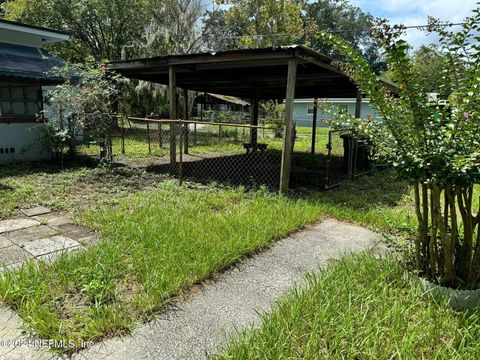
pixel 199 324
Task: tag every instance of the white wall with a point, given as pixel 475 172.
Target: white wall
pixel 25 139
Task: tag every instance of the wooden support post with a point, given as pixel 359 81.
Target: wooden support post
pixel 314 125
pixel 358 105
pixel 354 141
pixel 187 117
pixel 287 136
pixel 172 96
pixel 254 119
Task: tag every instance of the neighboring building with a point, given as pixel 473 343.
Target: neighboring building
pixel 303 110
pixel 210 106
pixel 24 72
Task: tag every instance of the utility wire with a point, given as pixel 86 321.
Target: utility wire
pixel 421 27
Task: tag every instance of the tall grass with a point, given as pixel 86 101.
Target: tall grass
pixel 155 244
pixel 359 308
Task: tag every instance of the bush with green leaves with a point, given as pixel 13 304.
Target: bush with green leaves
pixel 435 146
pixel 274 116
pixel 82 105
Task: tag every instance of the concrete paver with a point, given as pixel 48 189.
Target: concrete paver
pixel 16 224
pixel 24 236
pixel 49 245
pixel 13 254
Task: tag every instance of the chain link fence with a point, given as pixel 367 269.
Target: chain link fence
pixel 203 151
pixel 238 154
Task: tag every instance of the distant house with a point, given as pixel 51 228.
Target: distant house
pixel 24 74
pixel 303 110
pixel 209 105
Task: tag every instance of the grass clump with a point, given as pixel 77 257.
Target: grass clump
pixel 155 244
pixel 359 308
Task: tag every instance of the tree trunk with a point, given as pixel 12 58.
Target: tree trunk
pixel 450 241
pixel 420 233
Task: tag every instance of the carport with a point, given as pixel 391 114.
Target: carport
pixel 276 73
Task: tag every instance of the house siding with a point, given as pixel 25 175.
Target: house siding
pixel 302 118
pixel 24 138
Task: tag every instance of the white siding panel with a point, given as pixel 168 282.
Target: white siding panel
pixel 25 139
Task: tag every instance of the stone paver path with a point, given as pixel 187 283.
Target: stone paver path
pixel 41 234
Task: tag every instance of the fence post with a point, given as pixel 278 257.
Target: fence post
pixel 123 136
pixel 187 117
pixel 195 134
pixel 172 95
pixel 314 125
pixel 148 139
pixel 160 142
pixel 180 150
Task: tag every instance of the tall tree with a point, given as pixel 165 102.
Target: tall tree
pixel 100 28
pixel 174 27
pixel 254 23
pixel 339 17
pixel 258 23
pixel 429 62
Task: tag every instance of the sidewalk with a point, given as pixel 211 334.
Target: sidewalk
pixel 199 324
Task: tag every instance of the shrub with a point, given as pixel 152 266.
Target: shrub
pixel 436 147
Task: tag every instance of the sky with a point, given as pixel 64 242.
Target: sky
pixel 415 12
pixel 412 12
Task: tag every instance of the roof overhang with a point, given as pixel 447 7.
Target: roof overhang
pixel 28 35
pixel 244 73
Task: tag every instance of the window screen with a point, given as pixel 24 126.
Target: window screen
pixel 18 100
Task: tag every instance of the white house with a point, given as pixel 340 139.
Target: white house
pixel 24 71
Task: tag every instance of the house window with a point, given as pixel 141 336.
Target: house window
pixel 18 100
pixel 343 109
pixel 310 109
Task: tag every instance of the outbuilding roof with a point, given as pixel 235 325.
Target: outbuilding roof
pixel 29 63
pixel 247 73
pixel 29 35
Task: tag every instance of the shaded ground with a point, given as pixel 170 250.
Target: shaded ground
pixel 255 169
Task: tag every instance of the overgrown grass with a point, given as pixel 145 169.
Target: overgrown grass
pixel 71 188
pixel 360 308
pixel 307 130
pixel 159 241
pixel 379 201
pixel 155 244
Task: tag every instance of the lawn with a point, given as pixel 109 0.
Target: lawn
pixel 158 239
pixel 207 141
pixel 156 244
pixel 71 188
pixel 359 308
